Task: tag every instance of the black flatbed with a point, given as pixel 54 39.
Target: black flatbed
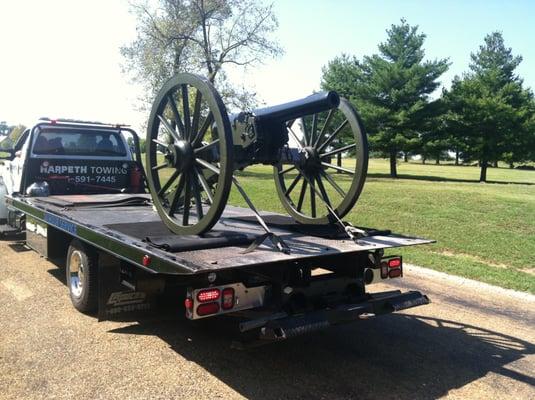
pixel 119 224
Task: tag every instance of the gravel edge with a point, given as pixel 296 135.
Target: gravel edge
pixel 469 283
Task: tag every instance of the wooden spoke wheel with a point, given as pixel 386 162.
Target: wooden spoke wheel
pixel 189 154
pixel 316 178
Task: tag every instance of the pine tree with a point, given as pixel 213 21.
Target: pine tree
pixel 390 89
pixel 490 111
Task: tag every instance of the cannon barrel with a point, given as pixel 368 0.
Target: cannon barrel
pixel 312 104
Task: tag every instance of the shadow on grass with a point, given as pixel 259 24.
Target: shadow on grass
pixel 401 356
pixel 429 178
pixel 432 178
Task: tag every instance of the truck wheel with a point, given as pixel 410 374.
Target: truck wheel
pixel 82 279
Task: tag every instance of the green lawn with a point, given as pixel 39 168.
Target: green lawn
pixel 483 231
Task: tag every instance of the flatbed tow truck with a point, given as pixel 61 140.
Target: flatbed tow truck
pixel 120 259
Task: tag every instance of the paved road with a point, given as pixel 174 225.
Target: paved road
pixel 471 342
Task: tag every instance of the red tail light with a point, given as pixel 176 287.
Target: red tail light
pixel 394 262
pixel 207 308
pixel 208 295
pixel 394 273
pixel 135 179
pixel 227 301
pixel 188 303
pixel 146 260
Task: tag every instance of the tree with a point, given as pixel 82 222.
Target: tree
pixel 390 89
pixel 490 110
pixel 200 36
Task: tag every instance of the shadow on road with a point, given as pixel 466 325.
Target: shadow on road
pixel 399 356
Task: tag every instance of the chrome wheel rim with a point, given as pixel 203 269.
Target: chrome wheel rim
pixel 76 273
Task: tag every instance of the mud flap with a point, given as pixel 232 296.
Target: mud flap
pixel 116 301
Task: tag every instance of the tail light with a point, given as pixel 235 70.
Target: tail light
pixel 227 299
pixel 391 267
pixel 208 295
pixel 188 303
pixel 394 273
pixel 394 262
pixel 135 179
pixel 208 308
pixel 384 270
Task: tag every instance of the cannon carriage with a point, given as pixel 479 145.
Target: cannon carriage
pixel 194 148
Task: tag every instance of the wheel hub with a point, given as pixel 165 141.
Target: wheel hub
pixel 310 161
pixel 76 269
pixel 180 155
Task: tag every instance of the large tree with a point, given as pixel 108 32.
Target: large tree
pixel 490 111
pixel 391 89
pixel 200 36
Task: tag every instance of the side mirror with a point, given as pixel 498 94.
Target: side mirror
pixel 18 153
pixel 6 154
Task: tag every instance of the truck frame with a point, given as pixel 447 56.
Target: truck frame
pixel 120 259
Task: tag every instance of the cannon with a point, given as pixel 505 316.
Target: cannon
pixel 194 147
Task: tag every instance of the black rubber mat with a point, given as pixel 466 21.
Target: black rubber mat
pixel 157 234
pixel 331 231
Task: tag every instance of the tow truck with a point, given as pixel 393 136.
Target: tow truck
pixel 85 203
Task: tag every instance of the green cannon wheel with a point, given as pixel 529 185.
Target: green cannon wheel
pixel 189 154
pixel 306 186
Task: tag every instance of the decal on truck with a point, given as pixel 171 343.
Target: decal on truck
pixel 56 221
pixel 82 176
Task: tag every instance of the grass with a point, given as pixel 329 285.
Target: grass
pixel 484 231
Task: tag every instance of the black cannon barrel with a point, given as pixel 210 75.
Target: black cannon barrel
pixel 312 104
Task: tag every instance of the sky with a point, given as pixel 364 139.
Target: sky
pixel 61 58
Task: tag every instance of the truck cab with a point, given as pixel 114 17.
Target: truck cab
pixel 65 157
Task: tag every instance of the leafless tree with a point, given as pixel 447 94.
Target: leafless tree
pixel 201 36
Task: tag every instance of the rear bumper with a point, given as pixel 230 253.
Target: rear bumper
pixel 282 326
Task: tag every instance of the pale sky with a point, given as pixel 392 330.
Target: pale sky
pixel 60 58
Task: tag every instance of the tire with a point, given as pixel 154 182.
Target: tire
pixel 82 277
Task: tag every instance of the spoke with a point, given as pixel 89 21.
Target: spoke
pixel 334 184
pixel 302 195
pixel 207 146
pixel 305 131
pixel 206 124
pixel 299 142
pixel 160 143
pixel 158 167
pixel 339 150
pixel 205 185
pixel 312 199
pixel 168 128
pixel 167 185
pixel 287 170
pixel 176 196
pixel 314 128
pixel 207 165
pixel 196 113
pixel 341 169
pixel 197 196
pixel 291 187
pixel 333 135
pixel 176 114
pixel 325 125
pixel 185 107
pixel 187 202
pixel 323 191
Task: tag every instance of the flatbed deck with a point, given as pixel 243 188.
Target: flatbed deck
pixel 120 223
